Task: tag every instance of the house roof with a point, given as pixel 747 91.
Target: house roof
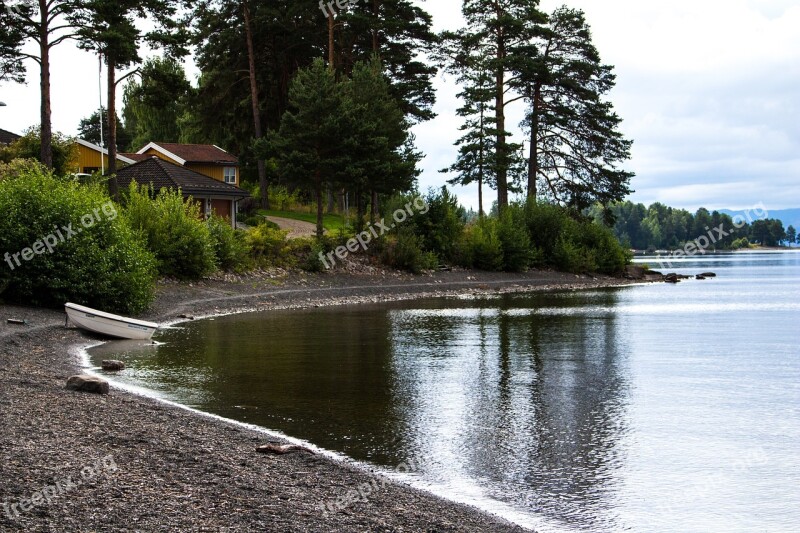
pixel 163 174
pixel 6 137
pixel 92 146
pixel 193 153
pixel 135 157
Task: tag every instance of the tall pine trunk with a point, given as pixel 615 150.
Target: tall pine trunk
pixel 376 50
pixel 500 114
pixel 263 183
pixel 113 185
pixel 533 162
pixel 318 194
pixel 46 129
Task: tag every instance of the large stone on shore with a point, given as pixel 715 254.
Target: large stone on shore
pixel 708 275
pixel 634 272
pixel 112 365
pixel 87 383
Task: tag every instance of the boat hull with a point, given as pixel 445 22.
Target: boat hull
pixel 111 325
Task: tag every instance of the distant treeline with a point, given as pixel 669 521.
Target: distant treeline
pixel 660 227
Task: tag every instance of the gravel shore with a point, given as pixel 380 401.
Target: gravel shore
pixel 122 462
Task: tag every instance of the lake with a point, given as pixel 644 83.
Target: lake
pixel 645 408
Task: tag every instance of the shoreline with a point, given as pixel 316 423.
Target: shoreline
pixel 190 456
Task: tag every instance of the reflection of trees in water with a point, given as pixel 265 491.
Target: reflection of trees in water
pixel 527 404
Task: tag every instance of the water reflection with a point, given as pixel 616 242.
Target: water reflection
pixel 494 395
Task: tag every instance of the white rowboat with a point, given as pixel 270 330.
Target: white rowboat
pixel 108 324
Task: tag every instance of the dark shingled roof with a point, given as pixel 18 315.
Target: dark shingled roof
pixel 199 153
pixel 6 137
pixel 163 174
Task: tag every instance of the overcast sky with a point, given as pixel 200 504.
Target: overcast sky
pixel 708 91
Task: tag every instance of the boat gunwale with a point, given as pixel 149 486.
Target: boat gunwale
pixel 110 316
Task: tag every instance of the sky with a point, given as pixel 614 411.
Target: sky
pixel 708 90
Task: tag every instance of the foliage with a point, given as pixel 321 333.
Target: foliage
pixel 230 248
pixel 104 264
pixel 155 104
pixel 659 227
pixel 481 246
pixel 514 240
pixel 572 243
pixel 577 148
pixel 403 250
pixel 342 134
pixel 89 130
pixel 181 242
pixel 438 225
pixel 268 245
pixel 65 151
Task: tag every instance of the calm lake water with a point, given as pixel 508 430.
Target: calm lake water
pixel 647 408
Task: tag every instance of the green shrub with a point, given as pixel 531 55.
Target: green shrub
pixel 439 223
pixel 268 245
pixel 744 242
pixel 514 240
pixel 403 250
pixel 230 248
pixel 481 247
pixel 104 264
pixel 174 231
pixel 572 243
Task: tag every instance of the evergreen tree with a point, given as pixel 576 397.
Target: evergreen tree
pixel 791 235
pixel 476 149
pixel 576 146
pixel 382 159
pixel 500 32
pixel 310 144
pixel 45 24
pixel 154 105
pixel 109 27
pixel 89 130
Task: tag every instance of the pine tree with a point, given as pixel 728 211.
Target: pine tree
pixel 309 146
pixel 576 146
pixel 500 31
pixel 476 161
pixel 109 28
pixel 44 23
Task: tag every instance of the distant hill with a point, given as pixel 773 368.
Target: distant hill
pixel 789 217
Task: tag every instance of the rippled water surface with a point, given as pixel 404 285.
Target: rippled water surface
pixel 646 408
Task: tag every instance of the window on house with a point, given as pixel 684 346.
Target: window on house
pixel 230 175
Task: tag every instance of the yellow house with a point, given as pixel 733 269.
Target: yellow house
pixel 93 158
pixel 206 159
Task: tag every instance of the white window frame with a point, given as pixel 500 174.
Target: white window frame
pixel 226 176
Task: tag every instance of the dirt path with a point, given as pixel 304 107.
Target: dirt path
pixel 296 228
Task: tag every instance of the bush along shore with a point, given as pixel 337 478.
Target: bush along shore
pixel 67 241
pixel 119 462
